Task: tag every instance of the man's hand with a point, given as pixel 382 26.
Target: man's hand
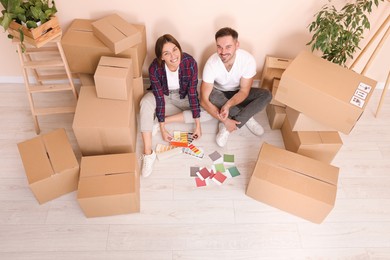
pixel 230 124
pixel 224 112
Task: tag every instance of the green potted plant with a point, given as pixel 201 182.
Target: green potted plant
pixel 25 15
pixel 337 33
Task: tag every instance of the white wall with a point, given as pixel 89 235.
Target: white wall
pixel 277 27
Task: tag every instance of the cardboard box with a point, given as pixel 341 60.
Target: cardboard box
pixel 109 185
pixel 273 68
pixel 294 183
pixel 116 33
pixel 51 167
pixel 138 92
pixel 114 78
pixel 322 146
pixel 275 85
pixel 276 116
pixel 301 122
pixel 326 92
pixel 104 126
pixel 83 49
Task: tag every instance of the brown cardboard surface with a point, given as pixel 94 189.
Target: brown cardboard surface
pixel 319 145
pixel 114 78
pixel 83 49
pixel 138 92
pixel 51 167
pixel 109 185
pixel 275 85
pixel 273 68
pixel 104 126
pixel 324 91
pixel 301 122
pixel 116 33
pixel 276 116
pixel 294 183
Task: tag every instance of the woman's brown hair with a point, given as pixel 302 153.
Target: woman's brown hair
pixel 160 44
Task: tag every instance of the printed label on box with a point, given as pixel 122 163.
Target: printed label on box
pixel 360 94
pixel 357 101
pixel 364 87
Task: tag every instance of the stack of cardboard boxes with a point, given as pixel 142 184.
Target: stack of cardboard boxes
pixel 320 99
pixel 108 54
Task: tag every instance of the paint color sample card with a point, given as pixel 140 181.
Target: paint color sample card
pixel 215 156
pixel 233 171
pixel 200 183
pixel 193 171
pixel 228 158
pixel 219 178
pixel 219 167
pixel 203 173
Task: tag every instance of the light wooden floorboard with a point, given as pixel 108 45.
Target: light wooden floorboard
pixel 179 221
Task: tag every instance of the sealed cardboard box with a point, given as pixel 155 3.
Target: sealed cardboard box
pixel 273 68
pixel 275 85
pixel 104 126
pixel 319 145
pixel 301 122
pixel 276 116
pixel 294 183
pixel 109 185
pixel 51 167
pixel 326 92
pixel 138 92
pixel 116 33
pixel 83 49
pixel 114 78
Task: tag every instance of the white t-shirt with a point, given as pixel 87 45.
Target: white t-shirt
pixel 172 78
pixel 215 72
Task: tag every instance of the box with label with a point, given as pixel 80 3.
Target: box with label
pixel 114 78
pixel 109 185
pixel 80 41
pixel 104 126
pixel 319 145
pixel 294 183
pixel 326 92
pixel 50 164
pixel 116 33
pixel 276 116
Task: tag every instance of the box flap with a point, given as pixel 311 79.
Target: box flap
pixel 298 163
pixel 117 28
pixel 59 150
pixel 110 164
pixel 35 160
pixel 323 137
pixel 115 62
pixel 107 185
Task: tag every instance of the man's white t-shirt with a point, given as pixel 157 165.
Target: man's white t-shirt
pixel 215 72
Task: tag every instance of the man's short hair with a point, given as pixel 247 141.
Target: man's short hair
pixel 226 31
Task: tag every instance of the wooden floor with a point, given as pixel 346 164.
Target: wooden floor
pixel 180 221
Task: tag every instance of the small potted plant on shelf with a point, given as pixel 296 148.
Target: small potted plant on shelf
pixel 337 33
pixel 28 19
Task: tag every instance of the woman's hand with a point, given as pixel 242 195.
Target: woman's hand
pixel 166 136
pixel 197 133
